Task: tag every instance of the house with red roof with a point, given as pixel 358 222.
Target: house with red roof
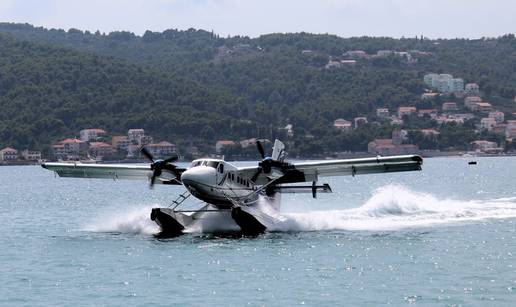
pixel 70 149
pixel 8 154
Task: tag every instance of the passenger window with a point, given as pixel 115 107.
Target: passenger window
pixel 221 168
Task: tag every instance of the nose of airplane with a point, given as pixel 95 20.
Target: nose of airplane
pixel 198 175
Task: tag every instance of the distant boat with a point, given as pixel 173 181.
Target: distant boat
pixel 472 162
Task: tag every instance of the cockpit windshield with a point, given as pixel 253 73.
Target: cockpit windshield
pixel 213 164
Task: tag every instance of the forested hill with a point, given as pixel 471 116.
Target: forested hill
pixel 47 93
pixel 488 61
pixel 193 84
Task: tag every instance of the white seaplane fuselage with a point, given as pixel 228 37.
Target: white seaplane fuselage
pixel 217 182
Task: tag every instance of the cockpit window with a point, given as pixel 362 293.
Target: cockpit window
pixel 213 164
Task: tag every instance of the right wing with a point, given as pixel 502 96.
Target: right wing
pixel 106 171
pixel 360 166
pixel 312 170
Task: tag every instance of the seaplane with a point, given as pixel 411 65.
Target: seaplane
pixel 230 194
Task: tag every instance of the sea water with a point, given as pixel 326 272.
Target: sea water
pixel 443 236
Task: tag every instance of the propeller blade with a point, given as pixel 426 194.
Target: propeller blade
pixel 147 154
pixel 153 178
pixel 255 176
pixel 171 159
pixel 156 173
pixel 260 148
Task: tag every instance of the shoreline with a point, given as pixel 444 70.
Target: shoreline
pixel 343 156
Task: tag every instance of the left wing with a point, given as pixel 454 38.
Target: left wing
pixel 108 171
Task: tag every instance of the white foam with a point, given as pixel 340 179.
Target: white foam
pixel 135 220
pixel 394 207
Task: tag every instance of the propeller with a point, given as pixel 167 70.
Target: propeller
pixel 158 165
pixel 265 166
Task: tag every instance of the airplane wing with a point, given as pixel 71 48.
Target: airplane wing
pixel 311 171
pixel 108 171
pixel 359 166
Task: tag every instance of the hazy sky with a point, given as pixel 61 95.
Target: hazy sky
pixel 431 18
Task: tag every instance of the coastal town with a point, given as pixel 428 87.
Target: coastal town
pixel 460 103
pixel 94 145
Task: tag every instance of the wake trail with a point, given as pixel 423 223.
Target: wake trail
pixel 394 207
pixel 391 207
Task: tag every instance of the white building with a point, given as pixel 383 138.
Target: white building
pixel 396 121
pixel 162 149
pixel 92 135
pixel 406 111
pixel 289 129
pixel 471 89
pixel 356 54
pixel 429 79
pixel 100 150
pixel 498 116
pixel 484 107
pixel 485 146
pixel 342 124
pixel 510 129
pixel 135 135
pixel 348 62
pixel 450 106
pixel 8 154
pixel 429 96
pixel 120 142
pixel 333 64
pixel 382 112
pixel 31 155
pixel 456 85
pixel 444 83
pixel 469 102
pixel 487 123
pixel 384 53
pixel 145 140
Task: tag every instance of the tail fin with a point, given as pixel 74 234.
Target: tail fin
pixel 278 152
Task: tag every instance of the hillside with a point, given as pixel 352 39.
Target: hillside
pixel 47 93
pixel 184 85
pixel 489 61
